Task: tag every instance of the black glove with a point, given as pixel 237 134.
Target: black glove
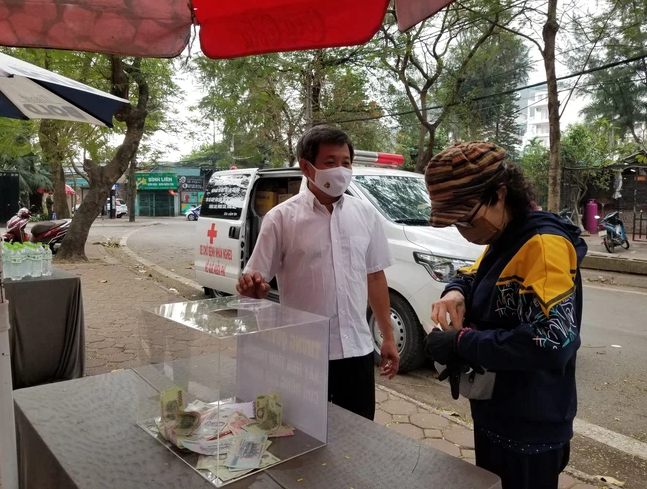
pixel 442 346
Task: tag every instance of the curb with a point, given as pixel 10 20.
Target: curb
pixel 618 264
pixel 123 243
pixel 577 474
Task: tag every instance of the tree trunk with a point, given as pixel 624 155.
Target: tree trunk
pixel 131 195
pixel 424 157
pixel 49 143
pixel 102 178
pixel 555 166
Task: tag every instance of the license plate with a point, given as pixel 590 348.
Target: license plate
pixel 602 234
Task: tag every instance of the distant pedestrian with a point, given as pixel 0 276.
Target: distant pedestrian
pixel 516 312
pixel 49 203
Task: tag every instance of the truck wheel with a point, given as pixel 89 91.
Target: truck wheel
pixel 407 331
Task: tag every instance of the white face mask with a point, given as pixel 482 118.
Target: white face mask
pixel 333 181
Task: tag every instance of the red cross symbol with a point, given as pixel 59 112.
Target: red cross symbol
pixel 212 233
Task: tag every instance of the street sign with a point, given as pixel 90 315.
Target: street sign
pixel 156 181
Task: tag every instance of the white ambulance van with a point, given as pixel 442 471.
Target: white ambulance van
pixel 425 258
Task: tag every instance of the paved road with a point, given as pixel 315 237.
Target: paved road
pixel 612 371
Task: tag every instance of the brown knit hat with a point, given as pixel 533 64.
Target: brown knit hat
pixel 457 177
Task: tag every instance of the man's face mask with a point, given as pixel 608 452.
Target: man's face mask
pixel 333 181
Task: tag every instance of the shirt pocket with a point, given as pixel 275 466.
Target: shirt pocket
pixel 358 248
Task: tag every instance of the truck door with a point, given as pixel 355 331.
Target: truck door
pixel 220 230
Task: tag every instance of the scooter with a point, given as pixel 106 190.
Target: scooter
pixel 16 227
pixel 612 231
pixel 50 233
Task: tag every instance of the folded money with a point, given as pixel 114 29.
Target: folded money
pixel 246 452
pixel 269 411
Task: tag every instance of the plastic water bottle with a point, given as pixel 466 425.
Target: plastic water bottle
pixel 36 261
pixel 7 260
pixel 25 261
pixel 18 262
pixel 47 261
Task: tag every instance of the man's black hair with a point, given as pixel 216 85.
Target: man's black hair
pixel 308 145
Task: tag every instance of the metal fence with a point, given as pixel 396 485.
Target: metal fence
pixel 639 227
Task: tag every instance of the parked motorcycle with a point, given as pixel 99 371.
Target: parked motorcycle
pixel 16 227
pixel 49 233
pixel 612 231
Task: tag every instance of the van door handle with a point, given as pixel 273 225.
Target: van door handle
pixel 234 232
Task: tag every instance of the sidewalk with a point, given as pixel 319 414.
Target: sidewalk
pixel 114 295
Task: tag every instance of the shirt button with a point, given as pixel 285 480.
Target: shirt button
pixel 335 241
pixel 345 336
pixel 343 313
pixel 341 287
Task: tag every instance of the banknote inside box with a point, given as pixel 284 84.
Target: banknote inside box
pixel 237 385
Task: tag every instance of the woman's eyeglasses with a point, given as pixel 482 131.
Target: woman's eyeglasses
pixel 467 224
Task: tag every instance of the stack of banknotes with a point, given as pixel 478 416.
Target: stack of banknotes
pixel 231 438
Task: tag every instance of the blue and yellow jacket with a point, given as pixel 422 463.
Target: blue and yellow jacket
pixel 524 303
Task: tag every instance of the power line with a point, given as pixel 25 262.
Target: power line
pixel 506 92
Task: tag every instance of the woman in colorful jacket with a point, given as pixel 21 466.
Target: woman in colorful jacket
pixel 516 312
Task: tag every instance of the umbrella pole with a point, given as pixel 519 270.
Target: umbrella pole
pixel 8 452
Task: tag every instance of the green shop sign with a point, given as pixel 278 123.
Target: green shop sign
pixel 156 181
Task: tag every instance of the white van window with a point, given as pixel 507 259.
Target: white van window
pixel 225 196
pixel 404 200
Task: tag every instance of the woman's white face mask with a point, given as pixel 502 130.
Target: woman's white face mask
pixel 333 181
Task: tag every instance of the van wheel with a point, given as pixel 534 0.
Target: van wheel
pixel 407 331
pixel 215 294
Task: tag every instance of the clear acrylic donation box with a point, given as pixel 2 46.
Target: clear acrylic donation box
pixel 237 385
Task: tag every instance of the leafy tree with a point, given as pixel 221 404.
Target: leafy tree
pixel 417 60
pixel 587 149
pixel 500 65
pixel 619 94
pixel 535 161
pixel 148 84
pixel 262 104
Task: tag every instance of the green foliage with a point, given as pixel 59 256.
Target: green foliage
pixel 534 161
pixel 262 104
pixel 619 94
pixel 500 65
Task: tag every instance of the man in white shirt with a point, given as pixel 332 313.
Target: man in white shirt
pixel 328 252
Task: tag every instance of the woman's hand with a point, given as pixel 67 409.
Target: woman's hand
pixel 452 305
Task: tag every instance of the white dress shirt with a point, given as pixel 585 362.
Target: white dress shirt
pixel 321 261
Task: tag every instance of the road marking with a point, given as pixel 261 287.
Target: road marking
pixel 162 271
pixel 614 289
pixel 612 439
pixel 620 442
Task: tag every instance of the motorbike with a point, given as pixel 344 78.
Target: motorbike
pixel 612 231
pixel 16 227
pixel 48 233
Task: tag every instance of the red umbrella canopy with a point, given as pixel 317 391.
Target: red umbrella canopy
pixel 162 28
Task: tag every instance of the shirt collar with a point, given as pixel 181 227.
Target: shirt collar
pixel 311 199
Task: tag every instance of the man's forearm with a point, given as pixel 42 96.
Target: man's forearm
pixel 378 299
